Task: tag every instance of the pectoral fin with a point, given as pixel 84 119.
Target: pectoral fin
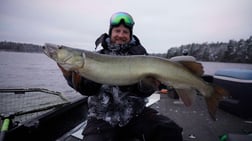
pixel 186 95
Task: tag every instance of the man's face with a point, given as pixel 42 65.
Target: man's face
pixel 120 35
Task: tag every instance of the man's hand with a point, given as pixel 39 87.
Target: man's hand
pixel 72 77
pixel 65 72
pixel 149 83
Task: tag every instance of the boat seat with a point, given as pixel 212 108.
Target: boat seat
pixel 245 74
pixel 238 82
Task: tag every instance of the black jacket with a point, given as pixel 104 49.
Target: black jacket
pixel 114 104
pixel 87 87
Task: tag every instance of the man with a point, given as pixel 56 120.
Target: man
pixel 118 112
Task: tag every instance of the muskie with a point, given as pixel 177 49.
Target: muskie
pixel 126 70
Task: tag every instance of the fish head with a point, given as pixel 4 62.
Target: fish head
pixel 68 58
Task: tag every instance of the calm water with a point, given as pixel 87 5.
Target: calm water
pixel 32 70
pixel 29 70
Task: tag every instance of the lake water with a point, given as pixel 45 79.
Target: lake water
pixel 29 70
pixel 32 70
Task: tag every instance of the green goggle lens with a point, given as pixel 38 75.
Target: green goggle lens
pixel 118 17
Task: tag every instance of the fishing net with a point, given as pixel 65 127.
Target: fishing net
pixel 25 104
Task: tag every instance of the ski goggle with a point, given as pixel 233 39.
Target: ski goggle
pixel 118 17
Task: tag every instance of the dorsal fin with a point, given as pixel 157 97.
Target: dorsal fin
pixel 195 67
pixel 190 63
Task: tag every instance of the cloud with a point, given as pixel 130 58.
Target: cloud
pixel 159 24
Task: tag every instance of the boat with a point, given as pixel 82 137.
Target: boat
pixel 238 82
pixel 54 122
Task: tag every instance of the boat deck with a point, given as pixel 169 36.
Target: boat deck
pixel 195 121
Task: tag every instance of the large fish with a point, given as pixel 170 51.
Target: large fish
pixel 126 70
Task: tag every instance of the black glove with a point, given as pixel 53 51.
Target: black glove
pixel 149 85
pixel 80 84
pixel 65 73
pixel 73 78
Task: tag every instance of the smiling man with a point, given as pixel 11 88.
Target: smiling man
pixel 118 112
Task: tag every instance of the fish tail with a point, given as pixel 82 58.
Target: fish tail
pixel 213 100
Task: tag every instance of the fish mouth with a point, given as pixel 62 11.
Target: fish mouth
pixel 51 51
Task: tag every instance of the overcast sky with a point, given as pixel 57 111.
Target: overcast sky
pixel 160 24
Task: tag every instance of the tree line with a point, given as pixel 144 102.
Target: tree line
pixel 232 51
pixel 20 47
